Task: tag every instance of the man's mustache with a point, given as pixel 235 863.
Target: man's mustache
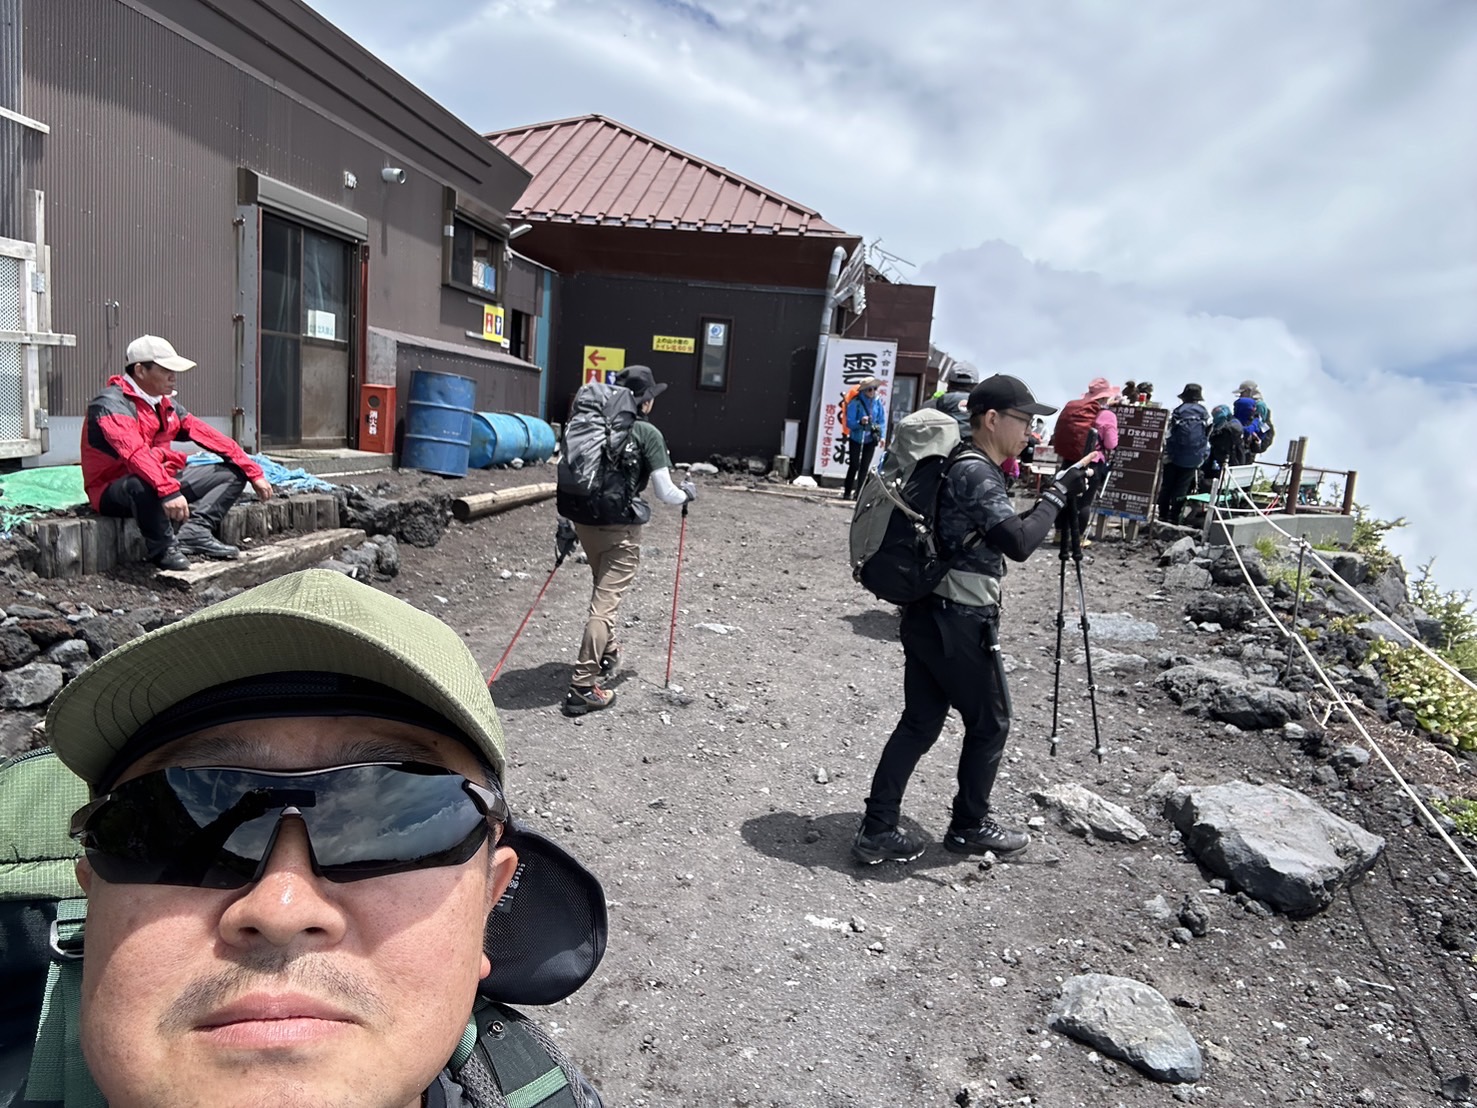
pixel 276 972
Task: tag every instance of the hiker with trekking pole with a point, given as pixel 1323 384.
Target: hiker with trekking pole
pixel 950 635
pixel 610 454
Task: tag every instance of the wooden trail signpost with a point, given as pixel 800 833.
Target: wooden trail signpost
pixel 1133 482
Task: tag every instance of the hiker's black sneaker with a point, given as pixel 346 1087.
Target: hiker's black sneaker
pixel 208 546
pixel 579 701
pixel 172 559
pixel 890 845
pixel 610 661
pixel 986 836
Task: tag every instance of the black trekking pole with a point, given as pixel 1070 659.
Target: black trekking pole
pixel 1061 622
pixel 565 544
pixel 1076 536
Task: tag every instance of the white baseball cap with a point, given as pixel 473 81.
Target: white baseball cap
pixel 151 348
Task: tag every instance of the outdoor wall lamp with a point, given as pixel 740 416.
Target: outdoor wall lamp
pixel 521 229
pixel 392 175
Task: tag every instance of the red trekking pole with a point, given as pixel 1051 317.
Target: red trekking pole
pixel 676 586
pixel 565 543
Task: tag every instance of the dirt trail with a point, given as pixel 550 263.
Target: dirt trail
pixel 751 963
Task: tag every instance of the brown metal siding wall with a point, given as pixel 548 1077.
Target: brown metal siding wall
pixel 771 361
pixel 148 129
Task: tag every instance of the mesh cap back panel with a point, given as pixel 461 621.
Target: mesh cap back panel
pixel 547 935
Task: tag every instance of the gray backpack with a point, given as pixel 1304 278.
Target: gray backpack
pixel 893 552
pixel 600 463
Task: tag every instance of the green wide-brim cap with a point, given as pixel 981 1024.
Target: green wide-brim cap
pixel 312 620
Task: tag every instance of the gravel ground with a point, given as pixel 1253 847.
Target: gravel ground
pixel 751 963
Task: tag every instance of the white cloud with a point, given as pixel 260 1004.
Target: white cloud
pixel 1211 189
pixel 1056 330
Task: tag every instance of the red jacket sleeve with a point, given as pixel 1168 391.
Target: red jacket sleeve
pixel 207 436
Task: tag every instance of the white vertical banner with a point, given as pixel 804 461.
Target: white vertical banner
pixel 847 362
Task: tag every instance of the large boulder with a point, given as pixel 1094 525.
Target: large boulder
pixel 1351 566
pixel 16 647
pixel 1188 682
pixel 1128 1020
pixel 1186 576
pixel 1252 706
pixel 30 686
pixel 1274 843
pixel 1228 609
pixel 1226 570
pixel 1178 553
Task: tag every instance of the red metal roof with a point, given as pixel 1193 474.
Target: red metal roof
pixel 593 170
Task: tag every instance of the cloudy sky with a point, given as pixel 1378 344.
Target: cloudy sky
pixel 1158 189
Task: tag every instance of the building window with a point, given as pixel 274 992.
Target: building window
pixel 717 341
pixel 476 258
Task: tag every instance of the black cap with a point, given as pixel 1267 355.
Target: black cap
pixel 1192 394
pixel 1004 391
pixel 639 380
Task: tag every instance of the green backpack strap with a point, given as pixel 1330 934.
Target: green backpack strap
pixel 58 1072
pixel 505 1059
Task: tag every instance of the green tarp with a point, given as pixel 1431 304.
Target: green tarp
pixel 30 492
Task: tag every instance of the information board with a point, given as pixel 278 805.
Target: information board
pixel 1133 478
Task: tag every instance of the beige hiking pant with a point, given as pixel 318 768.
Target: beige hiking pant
pixel 614 554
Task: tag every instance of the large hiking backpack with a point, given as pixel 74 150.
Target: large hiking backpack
pixel 599 461
pixel 502 1060
pixel 1188 442
pixel 846 399
pixel 1069 436
pixel 893 552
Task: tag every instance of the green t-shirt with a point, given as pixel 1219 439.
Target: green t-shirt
pixel 654 454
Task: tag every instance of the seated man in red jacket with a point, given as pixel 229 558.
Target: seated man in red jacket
pixel 131 469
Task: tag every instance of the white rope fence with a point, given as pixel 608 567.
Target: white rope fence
pixel 1339 700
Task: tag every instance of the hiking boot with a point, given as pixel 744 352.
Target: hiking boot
pixel 610 661
pixel 887 845
pixel 579 701
pixel 208 546
pixel 172 559
pixel 987 835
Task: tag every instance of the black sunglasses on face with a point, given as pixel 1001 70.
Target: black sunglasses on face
pixel 214 827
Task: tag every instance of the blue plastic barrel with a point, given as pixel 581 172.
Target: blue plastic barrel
pixel 499 437
pixel 438 423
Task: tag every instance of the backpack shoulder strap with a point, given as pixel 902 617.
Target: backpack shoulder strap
pixel 58 1074
pixel 964 452
pixel 506 1061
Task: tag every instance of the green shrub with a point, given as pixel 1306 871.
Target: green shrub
pixel 1454 610
pixel 1441 702
pixel 1369 539
pixel 1266 546
pixel 1461 812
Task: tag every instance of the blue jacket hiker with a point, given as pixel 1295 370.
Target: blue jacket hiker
pixel 866 424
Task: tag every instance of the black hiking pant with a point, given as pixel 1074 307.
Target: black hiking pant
pixel 859 462
pixel 947 663
pixel 1174 486
pixel 210 490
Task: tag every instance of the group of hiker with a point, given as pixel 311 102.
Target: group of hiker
pixel 1199 445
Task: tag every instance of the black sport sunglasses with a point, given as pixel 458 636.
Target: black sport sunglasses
pixel 214 827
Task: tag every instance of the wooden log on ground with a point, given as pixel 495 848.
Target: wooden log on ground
pixel 468 508
pixel 265 562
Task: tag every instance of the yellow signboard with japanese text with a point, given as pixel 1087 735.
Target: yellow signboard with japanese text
pixel 673 344
pixel 602 363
